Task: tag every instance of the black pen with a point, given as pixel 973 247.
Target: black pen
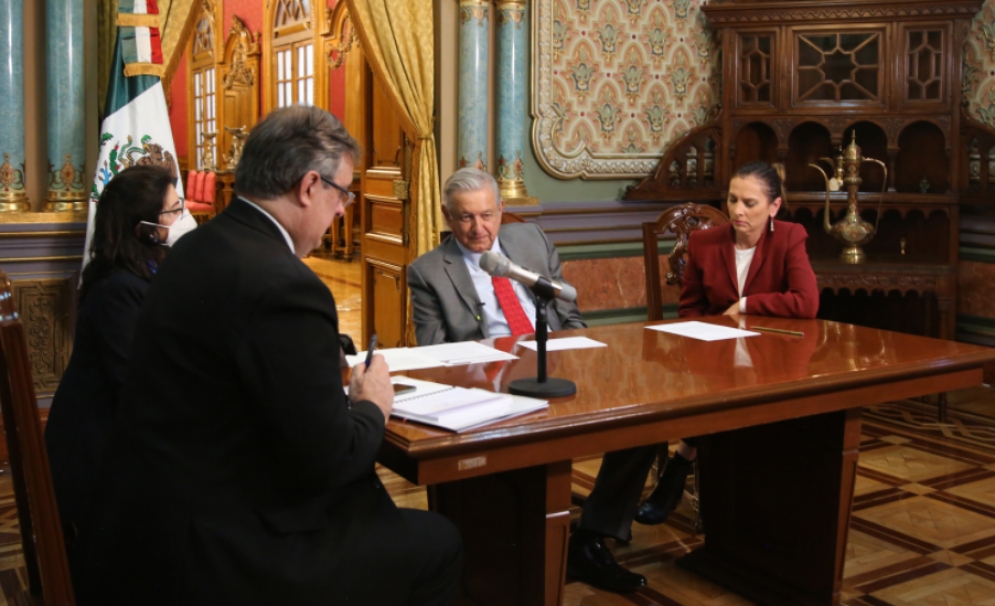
pixel 369 350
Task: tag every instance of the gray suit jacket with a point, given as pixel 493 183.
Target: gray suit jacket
pixel 446 306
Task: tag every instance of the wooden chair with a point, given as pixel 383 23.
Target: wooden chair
pixel 680 220
pixel 49 582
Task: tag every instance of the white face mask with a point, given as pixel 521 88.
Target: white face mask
pixel 186 223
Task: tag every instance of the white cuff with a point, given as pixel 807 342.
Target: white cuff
pixel 742 305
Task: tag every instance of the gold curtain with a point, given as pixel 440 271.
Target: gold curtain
pixel 398 38
pixel 177 20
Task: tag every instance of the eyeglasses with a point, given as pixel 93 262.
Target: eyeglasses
pixel 179 209
pixel 347 196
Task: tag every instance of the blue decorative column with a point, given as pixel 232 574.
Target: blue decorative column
pixel 66 149
pixel 13 197
pixel 513 76
pixel 473 89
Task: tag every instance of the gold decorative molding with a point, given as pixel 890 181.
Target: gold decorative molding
pixel 240 46
pixel 238 75
pixel 338 35
pixel 210 46
pixel 44 217
pixel 13 198
pixel 66 191
pixel 18 235
pixel 46 308
pixel 474 10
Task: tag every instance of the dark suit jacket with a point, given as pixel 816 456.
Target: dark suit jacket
pixel 445 302
pixel 780 281
pixel 83 409
pixel 237 472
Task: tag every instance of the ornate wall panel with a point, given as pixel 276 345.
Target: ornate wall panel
pixel 46 310
pixel 616 81
pixel 979 66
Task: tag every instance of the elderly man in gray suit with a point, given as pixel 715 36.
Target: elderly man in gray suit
pixel 455 300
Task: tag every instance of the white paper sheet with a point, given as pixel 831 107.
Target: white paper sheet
pixel 467 352
pixel 564 343
pixel 401 358
pixel 703 331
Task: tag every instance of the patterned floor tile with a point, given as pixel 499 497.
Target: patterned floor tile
pixel 909 463
pixel 869 558
pixel 932 521
pixel 866 484
pixel 982 491
pixel 947 588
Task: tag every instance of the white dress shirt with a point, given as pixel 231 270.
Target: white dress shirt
pixel 743 260
pixel 286 235
pixel 497 325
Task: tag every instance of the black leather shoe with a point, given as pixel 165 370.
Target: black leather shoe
pixel 589 560
pixel 667 494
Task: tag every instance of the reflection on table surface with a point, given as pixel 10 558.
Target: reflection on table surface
pixel 650 373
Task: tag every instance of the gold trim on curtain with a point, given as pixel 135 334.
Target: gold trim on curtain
pixel 177 20
pixel 403 58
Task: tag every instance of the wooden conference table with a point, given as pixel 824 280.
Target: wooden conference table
pixel 782 415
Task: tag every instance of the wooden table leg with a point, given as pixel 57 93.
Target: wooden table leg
pixel 515 526
pixel 775 503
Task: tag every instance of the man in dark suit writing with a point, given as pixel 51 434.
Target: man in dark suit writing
pixel 455 300
pixel 240 473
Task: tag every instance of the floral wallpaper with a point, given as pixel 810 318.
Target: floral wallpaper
pixel 616 81
pixel 979 66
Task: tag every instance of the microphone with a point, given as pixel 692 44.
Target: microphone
pixel 499 265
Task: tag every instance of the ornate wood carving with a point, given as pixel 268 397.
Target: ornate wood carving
pixel 809 11
pixel 240 48
pixel 46 308
pixel 338 36
pixel 239 77
pixel 870 282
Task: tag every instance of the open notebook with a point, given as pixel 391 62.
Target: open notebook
pixel 457 408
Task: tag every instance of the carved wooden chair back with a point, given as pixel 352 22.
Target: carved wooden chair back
pixel 681 221
pixel 49 582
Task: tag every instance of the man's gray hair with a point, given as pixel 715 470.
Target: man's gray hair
pixel 467 180
pixel 288 143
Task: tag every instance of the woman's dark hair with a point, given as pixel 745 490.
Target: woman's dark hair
pixel 770 175
pixel 136 194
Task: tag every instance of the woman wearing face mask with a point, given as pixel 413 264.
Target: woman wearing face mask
pixel 756 265
pixel 134 215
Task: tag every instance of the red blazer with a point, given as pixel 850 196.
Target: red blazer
pixel 780 282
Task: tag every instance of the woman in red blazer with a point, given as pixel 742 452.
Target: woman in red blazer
pixel 754 265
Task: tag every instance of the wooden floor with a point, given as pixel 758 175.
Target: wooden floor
pixel 345 281
pixel 923 528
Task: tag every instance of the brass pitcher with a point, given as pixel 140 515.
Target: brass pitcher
pixel 852 230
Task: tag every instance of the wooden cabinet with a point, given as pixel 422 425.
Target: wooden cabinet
pixel 799 80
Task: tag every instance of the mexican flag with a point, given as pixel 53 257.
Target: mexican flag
pixel 135 129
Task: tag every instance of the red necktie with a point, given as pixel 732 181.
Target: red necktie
pixel 518 322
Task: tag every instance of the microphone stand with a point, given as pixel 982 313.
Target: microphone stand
pixel 542 386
